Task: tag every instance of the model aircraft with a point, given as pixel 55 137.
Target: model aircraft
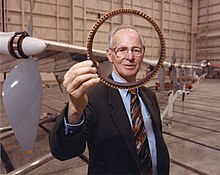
pixel 22 91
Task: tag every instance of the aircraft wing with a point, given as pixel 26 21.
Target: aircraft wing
pixel 169 65
pixel 19 45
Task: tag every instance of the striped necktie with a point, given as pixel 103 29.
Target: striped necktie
pixel 140 134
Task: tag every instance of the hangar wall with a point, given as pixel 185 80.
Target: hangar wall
pixel 191 28
pixel 208 30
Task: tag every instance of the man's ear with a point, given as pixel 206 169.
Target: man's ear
pixel 109 55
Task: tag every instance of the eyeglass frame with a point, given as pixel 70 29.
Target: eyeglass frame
pixel 141 47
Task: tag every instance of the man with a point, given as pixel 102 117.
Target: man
pixel 101 116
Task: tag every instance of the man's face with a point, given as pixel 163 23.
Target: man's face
pixel 125 54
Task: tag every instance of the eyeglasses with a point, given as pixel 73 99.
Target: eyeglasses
pixel 120 52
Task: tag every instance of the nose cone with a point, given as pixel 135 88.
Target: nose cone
pixel 29 46
pixel 33 46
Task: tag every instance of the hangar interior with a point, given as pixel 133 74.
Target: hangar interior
pixel 191 29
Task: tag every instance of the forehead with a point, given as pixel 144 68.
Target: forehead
pixel 126 37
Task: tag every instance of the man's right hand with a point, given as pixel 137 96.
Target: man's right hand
pixel 77 80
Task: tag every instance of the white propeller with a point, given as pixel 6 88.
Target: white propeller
pixel 22 96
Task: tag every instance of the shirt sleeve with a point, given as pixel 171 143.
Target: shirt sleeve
pixel 71 129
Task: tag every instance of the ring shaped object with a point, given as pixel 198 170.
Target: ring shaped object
pixel 128 85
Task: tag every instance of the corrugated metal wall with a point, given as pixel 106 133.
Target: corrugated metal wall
pixel 208 37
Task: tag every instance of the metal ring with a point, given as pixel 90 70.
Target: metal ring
pixel 15 45
pixel 128 85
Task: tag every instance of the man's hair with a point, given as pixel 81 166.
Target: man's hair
pixel 122 27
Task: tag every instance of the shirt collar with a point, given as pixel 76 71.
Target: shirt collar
pixel 123 92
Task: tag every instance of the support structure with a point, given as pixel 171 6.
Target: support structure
pixel 168 111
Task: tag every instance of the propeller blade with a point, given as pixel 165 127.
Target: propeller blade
pixel 30 22
pixel 174 56
pixel 173 75
pixel 162 77
pixel 181 73
pixel 22 96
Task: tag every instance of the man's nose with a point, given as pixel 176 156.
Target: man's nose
pixel 129 55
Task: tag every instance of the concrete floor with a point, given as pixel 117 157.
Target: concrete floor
pixel 193 137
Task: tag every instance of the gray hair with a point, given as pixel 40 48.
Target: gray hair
pixel 122 27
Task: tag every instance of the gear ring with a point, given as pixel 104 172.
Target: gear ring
pixel 128 85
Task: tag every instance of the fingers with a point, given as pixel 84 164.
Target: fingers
pixel 77 69
pixel 81 84
pixel 80 77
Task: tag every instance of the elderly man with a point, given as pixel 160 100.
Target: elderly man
pixel 122 128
